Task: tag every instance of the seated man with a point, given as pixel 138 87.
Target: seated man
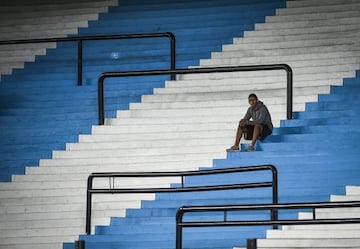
pixel 260 125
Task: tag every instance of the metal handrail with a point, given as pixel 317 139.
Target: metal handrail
pixel 287 68
pixel 80 40
pixel 270 207
pixel 112 190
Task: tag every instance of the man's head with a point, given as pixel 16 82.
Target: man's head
pixel 253 99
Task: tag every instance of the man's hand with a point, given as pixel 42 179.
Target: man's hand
pixel 243 122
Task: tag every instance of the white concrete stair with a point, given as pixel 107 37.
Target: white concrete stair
pixel 41 19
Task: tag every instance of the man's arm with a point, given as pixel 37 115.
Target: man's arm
pixel 246 119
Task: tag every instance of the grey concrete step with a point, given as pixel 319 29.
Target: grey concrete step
pixel 308 23
pixel 309 243
pixel 48 20
pixel 323 3
pixel 304 7
pixel 26 28
pixel 312 16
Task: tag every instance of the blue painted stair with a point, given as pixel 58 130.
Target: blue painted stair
pixel 41 108
pixel 316 154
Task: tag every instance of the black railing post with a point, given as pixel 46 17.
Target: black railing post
pixel 79 244
pixel 289 92
pixel 88 204
pixel 179 216
pixel 172 54
pixel 101 108
pixel 251 244
pixel 80 62
pixel 275 195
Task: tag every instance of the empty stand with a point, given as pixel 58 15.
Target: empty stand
pixel 185 125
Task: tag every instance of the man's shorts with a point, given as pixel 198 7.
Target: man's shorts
pixel 249 130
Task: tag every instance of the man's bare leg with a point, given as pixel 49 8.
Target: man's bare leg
pixel 257 132
pixel 239 133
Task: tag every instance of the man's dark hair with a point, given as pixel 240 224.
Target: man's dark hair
pixel 253 95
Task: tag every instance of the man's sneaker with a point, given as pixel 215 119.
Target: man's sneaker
pixel 233 148
pixel 251 148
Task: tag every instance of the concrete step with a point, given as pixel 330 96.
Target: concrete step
pixel 245 78
pixel 37 225
pixel 344 198
pixel 74 207
pixel 336 227
pixel 23 201
pixel 161 113
pixel 301 31
pixel 319 236
pixel 352 190
pixel 195 94
pixel 242 85
pixel 33 233
pixel 313 122
pixel 308 23
pixel 305 146
pixel 123 164
pixel 61 184
pixel 46 24
pixel 303 138
pixel 325 114
pixel 160 143
pixel 324 234
pixel 306 7
pixel 326 106
pixel 350 34
pixel 237 158
pixel 66 10
pixel 309 243
pixel 301 71
pixel 297 56
pixel 44 5
pixel 307 3
pixel 28 22
pixel 294 62
pixel 193 127
pixel 134 159
pixel 69 217
pixel 311 16
pixel 293 44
